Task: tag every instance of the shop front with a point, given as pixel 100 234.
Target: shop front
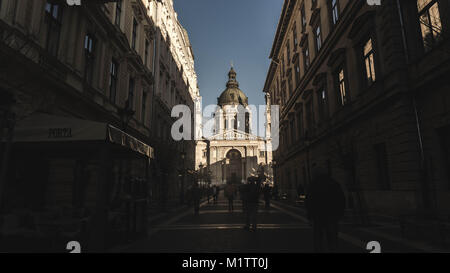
pixel 72 179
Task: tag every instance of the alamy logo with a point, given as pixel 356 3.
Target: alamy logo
pixel 233 123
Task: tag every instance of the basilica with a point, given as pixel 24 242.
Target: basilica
pixel 235 151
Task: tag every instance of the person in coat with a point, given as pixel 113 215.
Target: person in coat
pixel 196 196
pixel 325 205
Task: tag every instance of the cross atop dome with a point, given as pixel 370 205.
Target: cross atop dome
pixel 232 95
pixel 232 82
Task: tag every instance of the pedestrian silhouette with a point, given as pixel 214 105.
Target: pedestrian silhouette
pixel 267 195
pixel 196 195
pixel 209 192
pixel 230 194
pixel 215 193
pixel 325 204
pixel 243 195
pixel 252 192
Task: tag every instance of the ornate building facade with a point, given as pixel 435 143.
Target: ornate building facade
pixel 234 152
pixel 362 93
pixel 85 110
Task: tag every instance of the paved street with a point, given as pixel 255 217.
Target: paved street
pixel 281 229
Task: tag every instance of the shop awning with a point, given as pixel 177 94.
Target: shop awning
pixel 49 128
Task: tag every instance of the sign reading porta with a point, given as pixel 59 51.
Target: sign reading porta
pixel 60 133
pixel 74 2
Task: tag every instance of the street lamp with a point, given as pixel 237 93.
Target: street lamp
pixel 201 171
pixel 274 181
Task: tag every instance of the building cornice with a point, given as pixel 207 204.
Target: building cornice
pixel 283 24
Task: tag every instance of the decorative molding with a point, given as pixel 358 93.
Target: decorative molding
pixel 306 94
pixel 361 22
pixel 335 56
pixel 314 16
pixel 319 78
pixel 303 40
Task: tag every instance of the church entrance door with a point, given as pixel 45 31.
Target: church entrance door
pixel 234 168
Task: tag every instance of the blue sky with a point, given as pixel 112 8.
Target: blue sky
pixel 222 31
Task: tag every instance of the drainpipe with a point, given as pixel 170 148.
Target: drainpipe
pixel 405 45
pixel 154 84
pixel 416 113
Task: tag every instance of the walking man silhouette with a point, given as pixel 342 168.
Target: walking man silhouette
pixel 252 192
pixel 325 205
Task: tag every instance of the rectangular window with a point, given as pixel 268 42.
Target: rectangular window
pixel 294 35
pixel 118 12
pixel 430 23
pixel 322 99
pixel 134 34
pixel 342 86
pixel 335 11
pixel 262 154
pixel 318 36
pixel 130 100
pixel 369 62
pixel 382 166
pixel 283 92
pixel 53 16
pixel 306 60
pixel 288 50
pixel 113 81
pixel 89 50
pixel 144 106
pixel 146 50
pixel 247 123
pixel 297 73
pixel 310 116
pixel 303 15
pixel 300 123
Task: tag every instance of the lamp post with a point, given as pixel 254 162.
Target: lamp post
pixel 223 171
pixel 308 163
pixel 201 171
pixel 275 182
pixel 208 177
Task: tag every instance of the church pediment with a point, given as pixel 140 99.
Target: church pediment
pixel 234 135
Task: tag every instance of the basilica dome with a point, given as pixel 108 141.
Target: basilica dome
pixel 232 95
